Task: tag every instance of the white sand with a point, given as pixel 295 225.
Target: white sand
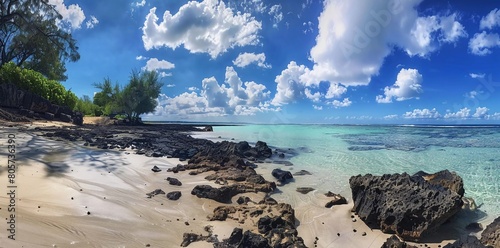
pixel 112 186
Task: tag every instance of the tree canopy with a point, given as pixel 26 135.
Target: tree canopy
pixel 136 98
pixel 31 37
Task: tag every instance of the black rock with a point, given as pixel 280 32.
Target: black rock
pixel 281 175
pixel 491 235
pixel 337 200
pixel 174 181
pixel 304 190
pixel 174 195
pixel 302 173
pixel 394 242
pixel 156 169
pixel 466 242
pixel 408 206
pixel 474 227
pixel 155 192
pixel 222 195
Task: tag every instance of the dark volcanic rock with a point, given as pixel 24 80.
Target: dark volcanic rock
pixel 408 206
pixel 302 173
pixel 222 195
pixel 281 175
pixel 174 195
pixel 155 169
pixel 188 238
pixel 446 179
pixel 174 181
pixel 337 200
pixel 491 235
pixel 474 227
pixel 177 168
pixel 238 239
pixel 155 192
pixel 304 190
pixel 394 242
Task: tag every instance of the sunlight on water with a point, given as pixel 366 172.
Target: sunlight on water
pixel 335 153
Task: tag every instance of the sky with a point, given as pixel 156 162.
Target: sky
pixel 310 61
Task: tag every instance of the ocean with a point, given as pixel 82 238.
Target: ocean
pixel 334 153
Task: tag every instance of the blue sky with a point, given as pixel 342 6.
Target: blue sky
pixel 311 61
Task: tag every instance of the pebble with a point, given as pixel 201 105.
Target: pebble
pixel 338 234
pixel 363 234
pixel 354 230
pixel 88 213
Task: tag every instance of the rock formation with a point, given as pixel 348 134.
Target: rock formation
pixel 408 206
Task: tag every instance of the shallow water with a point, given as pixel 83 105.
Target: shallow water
pixel 335 153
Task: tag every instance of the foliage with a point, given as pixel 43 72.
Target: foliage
pixel 139 96
pixel 32 37
pixel 37 83
pixel 136 98
pixel 87 107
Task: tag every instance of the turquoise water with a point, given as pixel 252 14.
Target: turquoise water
pixel 335 153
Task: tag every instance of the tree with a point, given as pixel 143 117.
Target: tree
pixel 108 97
pixel 139 96
pixel 31 37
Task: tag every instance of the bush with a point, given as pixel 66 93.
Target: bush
pixel 37 83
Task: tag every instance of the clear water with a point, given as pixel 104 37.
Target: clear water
pixel 335 153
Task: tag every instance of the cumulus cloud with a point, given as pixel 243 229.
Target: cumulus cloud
pixel 340 104
pixel 316 97
pixel 355 36
pixel 140 57
pixel 245 59
pixel 170 85
pixel 160 66
pixel 391 117
pixel 92 22
pixel 491 20
pixel 201 27
pixel 276 14
pixel 474 75
pixel 463 113
pixel 422 114
pixel 72 15
pixel 407 86
pixel 335 90
pixel 482 42
pixel 233 97
pixel 318 107
pixel 289 88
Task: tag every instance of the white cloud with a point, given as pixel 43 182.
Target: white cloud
pixel 355 36
pixel 340 104
pixel 407 86
pixel 463 113
pixel 276 14
pixel 473 94
pixel 140 57
pixel 140 4
pixel 481 113
pixel 165 74
pixel 491 20
pixel 316 97
pixel 170 85
pixel 391 117
pixel 495 116
pixel 201 27
pixel 422 114
pixel 72 15
pixel 154 64
pixel 318 107
pixel 289 88
pixel 335 90
pixel 245 59
pixel 474 75
pixel 482 42
pixel 92 22
pixel 233 97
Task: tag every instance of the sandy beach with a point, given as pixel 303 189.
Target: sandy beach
pixel 69 195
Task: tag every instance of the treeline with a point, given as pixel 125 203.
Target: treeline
pixel 36 82
pixel 136 98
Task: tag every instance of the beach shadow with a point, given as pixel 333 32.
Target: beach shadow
pixel 455 227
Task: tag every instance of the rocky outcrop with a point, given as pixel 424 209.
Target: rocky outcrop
pixel 445 178
pixel 466 242
pixel 222 195
pixel 174 195
pixel 337 200
pixel 408 206
pixel 275 225
pixel 32 105
pixel 491 235
pixel 395 242
pixel 174 181
pixel 282 175
pixel 155 192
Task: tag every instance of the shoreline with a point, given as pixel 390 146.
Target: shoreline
pixel 90 171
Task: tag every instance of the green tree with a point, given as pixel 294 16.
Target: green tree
pixel 139 96
pixel 108 97
pixel 31 37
